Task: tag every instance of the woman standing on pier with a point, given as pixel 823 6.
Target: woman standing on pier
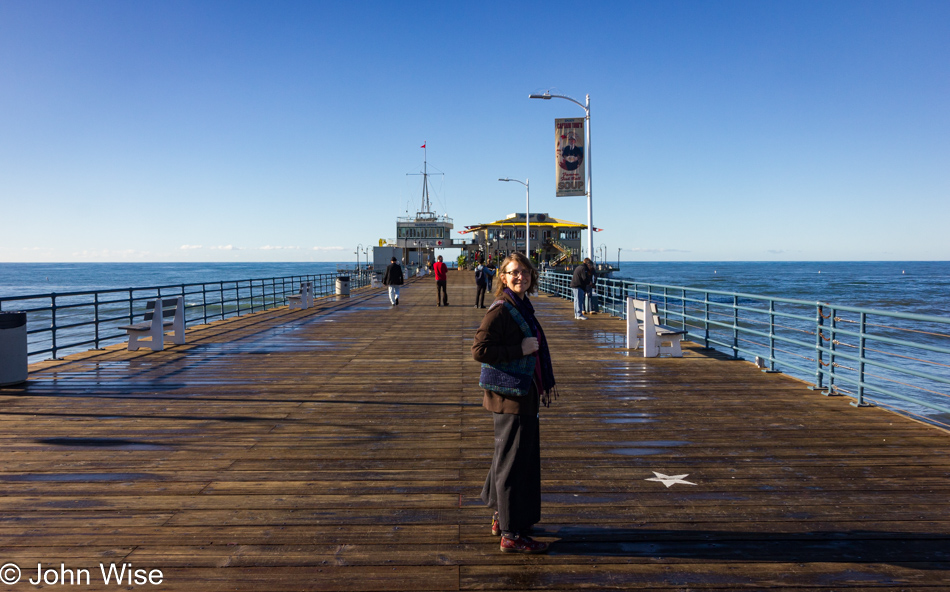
pixel 517 377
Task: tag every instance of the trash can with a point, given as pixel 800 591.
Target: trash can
pixel 343 285
pixel 13 363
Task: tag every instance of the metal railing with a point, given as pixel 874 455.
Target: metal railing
pixel 894 359
pixel 66 322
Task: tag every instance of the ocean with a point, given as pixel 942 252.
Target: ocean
pixel 921 287
pixel 912 286
pixel 20 279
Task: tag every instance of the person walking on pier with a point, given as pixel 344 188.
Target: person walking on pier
pixel 579 284
pixel 393 278
pixel 441 276
pixel 481 284
pixel 517 378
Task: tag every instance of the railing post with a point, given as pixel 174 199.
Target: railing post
pixel 204 302
pixel 706 319
pixel 861 353
pixel 834 348
pixel 95 300
pixel 53 322
pixel 735 327
pixel 819 358
pixel 221 292
pixel 666 306
pixel 683 308
pixel 771 335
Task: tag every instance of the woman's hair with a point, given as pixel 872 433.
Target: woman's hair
pixel 520 258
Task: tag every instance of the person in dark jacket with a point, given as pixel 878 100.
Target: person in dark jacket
pixel 517 377
pixel 579 283
pixel 590 293
pixel 393 278
pixel 481 284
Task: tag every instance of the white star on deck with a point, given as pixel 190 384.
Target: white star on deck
pixel 668 480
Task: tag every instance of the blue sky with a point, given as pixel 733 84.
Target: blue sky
pixel 284 131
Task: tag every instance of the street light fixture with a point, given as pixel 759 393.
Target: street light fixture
pixel 359 248
pixel 590 217
pixel 527 214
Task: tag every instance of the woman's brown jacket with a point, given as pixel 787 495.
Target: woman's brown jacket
pixel 498 339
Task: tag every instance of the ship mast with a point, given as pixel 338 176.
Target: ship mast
pixel 426 209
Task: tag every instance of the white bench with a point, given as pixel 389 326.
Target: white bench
pixel 155 325
pixel 302 300
pixel 644 330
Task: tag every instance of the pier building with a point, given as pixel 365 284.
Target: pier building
pixel 554 241
pixel 419 236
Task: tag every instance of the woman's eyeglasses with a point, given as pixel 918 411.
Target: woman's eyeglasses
pixel 518 273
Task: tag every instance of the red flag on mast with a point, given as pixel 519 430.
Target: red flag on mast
pixel 423 146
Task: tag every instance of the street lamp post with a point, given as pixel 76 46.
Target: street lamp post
pixel 527 214
pixel 618 258
pixel 359 248
pixel 590 216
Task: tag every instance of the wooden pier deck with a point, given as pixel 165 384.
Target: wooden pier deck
pixel 344 448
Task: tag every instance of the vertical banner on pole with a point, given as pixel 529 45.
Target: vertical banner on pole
pixel 569 154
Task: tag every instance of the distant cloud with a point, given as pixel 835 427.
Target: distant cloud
pixel 328 248
pixel 190 247
pixel 109 254
pixel 226 248
pixel 273 248
pixel 641 250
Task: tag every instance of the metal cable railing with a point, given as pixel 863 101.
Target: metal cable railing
pixel 66 322
pixel 899 359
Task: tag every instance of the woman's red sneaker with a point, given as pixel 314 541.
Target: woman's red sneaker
pixel 495 526
pixel 522 544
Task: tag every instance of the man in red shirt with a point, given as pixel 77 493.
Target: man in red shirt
pixel 440 271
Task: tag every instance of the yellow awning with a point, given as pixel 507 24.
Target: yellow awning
pixel 548 222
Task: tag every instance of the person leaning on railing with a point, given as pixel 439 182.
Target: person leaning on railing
pixel 580 282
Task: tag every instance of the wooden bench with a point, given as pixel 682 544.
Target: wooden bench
pixel 170 317
pixel 304 299
pixel 644 330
